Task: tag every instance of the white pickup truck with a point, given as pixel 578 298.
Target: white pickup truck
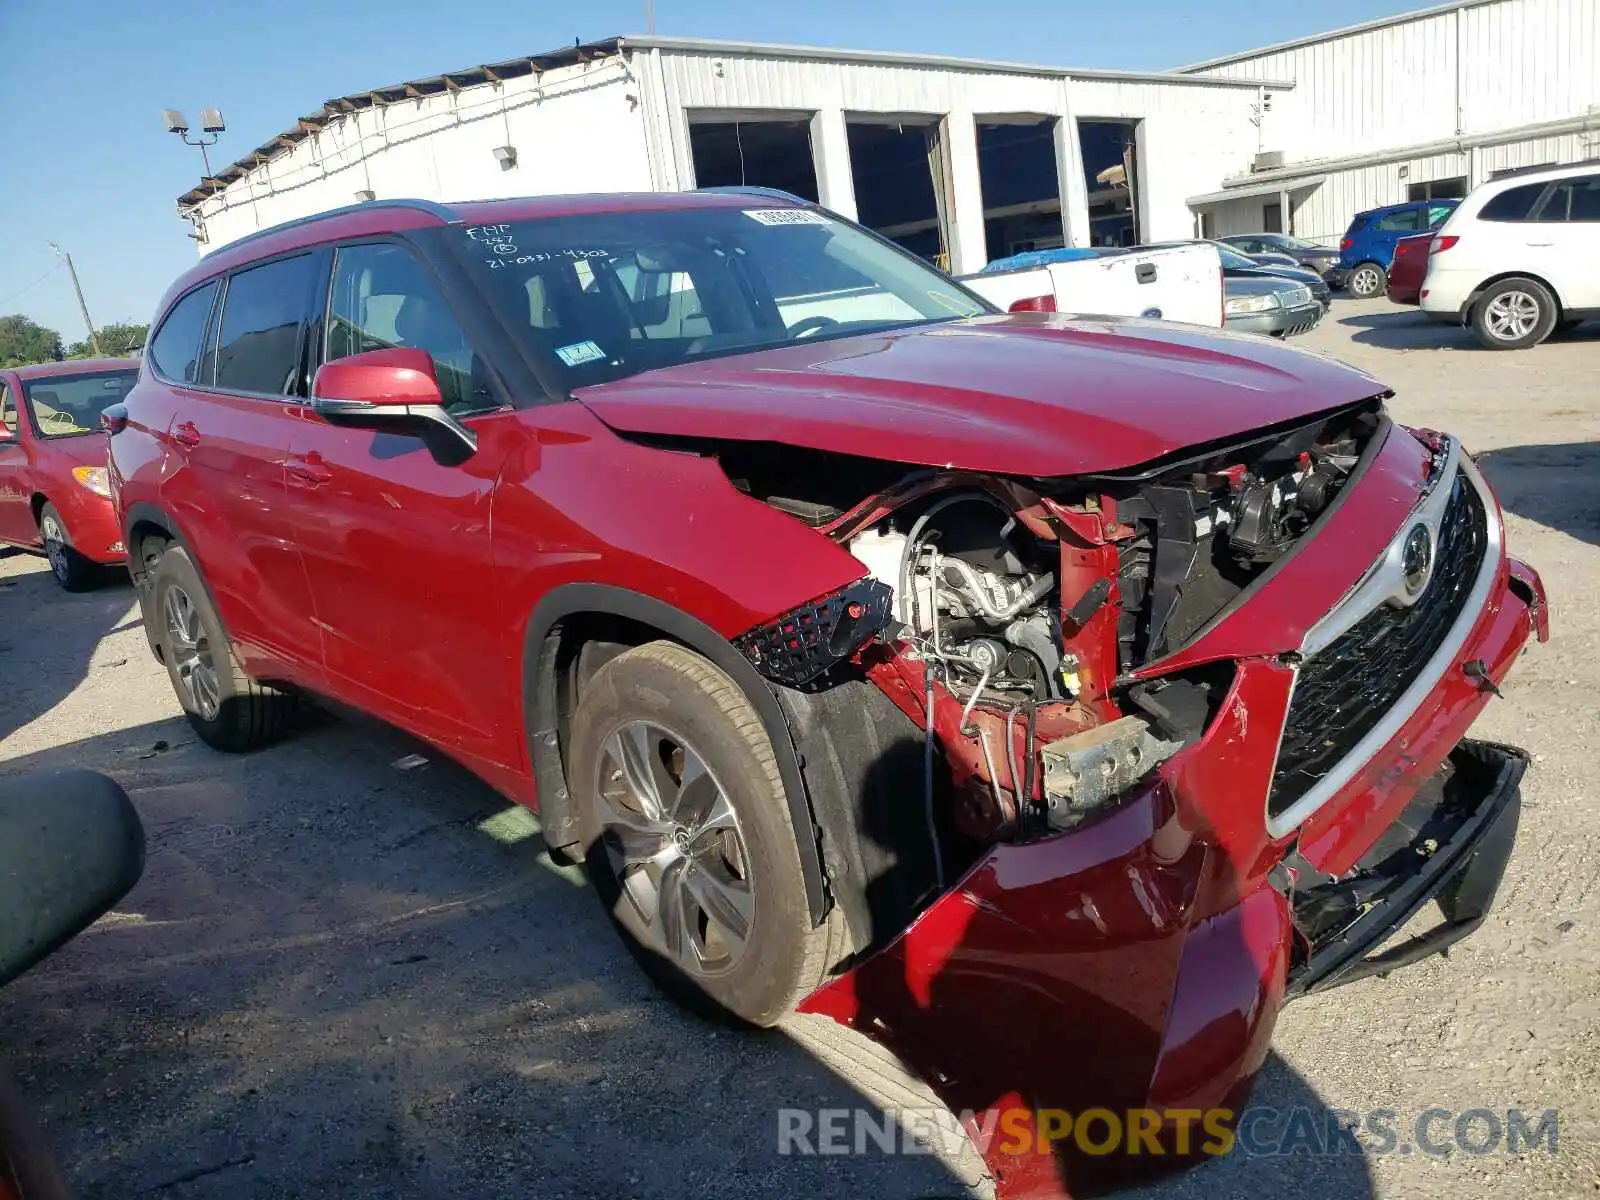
pixel 1180 283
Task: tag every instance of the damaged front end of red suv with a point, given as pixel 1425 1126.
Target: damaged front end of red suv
pixel 1105 767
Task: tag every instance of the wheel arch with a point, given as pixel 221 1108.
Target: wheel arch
pixel 1477 292
pixel 143 520
pixel 579 614
pixel 36 502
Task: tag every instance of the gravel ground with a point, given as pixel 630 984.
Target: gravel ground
pixel 340 978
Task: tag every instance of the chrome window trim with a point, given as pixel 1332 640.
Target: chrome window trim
pixel 1383 584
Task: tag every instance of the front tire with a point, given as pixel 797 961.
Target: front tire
pixel 1368 280
pixel 229 710
pixel 686 834
pixel 1514 314
pixel 72 571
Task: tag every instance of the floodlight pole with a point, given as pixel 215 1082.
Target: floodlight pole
pixel 94 339
pixel 202 143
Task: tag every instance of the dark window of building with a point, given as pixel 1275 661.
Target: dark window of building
pixel 1438 189
pixel 1514 204
pixel 774 154
pixel 1020 185
pixel 174 352
pixel 264 313
pixel 902 186
pixel 1272 217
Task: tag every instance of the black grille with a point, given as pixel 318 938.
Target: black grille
pixel 1347 688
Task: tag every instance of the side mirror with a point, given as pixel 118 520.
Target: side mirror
pixel 71 846
pixel 395 391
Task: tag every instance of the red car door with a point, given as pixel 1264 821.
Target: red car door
pixel 16 515
pixel 227 444
pixel 396 546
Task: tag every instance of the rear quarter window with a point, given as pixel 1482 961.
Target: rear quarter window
pixel 174 352
pixel 1513 204
pixel 1407 220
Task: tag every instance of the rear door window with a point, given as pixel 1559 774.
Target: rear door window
pixel 1407 220
pixel 260 343
pixel 174 352
pixel 1513 204
pixel 8 410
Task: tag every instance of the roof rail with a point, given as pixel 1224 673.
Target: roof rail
pixel 1513 172
pixel 769 193
pixel 444 214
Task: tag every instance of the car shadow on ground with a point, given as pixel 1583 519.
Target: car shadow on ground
pixel 1555 485
pixel 1408 329
pixel 342 978
pixel 1405 328
pixel 48 639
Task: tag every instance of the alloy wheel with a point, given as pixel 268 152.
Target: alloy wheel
pixel 55 546
pixel 191 654
pixel 672 841
pixel 1512 316
pixel 1365 282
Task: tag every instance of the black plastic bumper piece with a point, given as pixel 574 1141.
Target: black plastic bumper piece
pixel 1451 845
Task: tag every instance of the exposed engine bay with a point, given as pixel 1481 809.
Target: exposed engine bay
pixel 1009 614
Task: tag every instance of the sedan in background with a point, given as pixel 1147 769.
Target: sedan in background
pixel 1409 269
pixel 54 494
pixel 1324 260
pixel 1244 266
pixel 1280 308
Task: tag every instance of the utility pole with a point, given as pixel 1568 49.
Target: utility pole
pixel 94 339
pixel 650 16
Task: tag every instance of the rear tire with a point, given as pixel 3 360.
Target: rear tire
pixel 229 710
pixel 1514 314
pixel 72 571
pixel 686 833
pixel 1368 280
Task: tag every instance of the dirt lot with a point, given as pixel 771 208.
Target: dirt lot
pixel 343 979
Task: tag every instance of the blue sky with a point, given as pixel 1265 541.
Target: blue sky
pixel 86 163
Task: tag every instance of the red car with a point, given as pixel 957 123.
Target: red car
pixel 54 495
pixel 1049 699
pixel 1409 269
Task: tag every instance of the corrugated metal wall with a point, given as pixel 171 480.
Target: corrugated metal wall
pixel 1520 61
pixel 1189 140
pixel 574 130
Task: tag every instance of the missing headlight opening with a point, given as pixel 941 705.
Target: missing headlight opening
pixel 1017 609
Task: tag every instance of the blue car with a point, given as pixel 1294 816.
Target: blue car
pixel 1367 249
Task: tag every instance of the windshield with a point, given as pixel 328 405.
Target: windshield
pixel 600 296
pixel 67 405
pixel 1284 242
pixel 1232 260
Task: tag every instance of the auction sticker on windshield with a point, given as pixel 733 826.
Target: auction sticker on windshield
pixel 786 216
pixel 579 352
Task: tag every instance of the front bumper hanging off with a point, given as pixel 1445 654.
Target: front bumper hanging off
pixel 1138 964
pixel 1450 845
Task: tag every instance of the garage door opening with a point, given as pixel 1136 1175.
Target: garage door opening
pixel 1021 186
pixel 775 154
pixel 902 184
pixel 1112 172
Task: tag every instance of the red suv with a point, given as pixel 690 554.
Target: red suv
pixel 54 495
pixel 1049 699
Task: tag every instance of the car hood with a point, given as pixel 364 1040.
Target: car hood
pixel 79 450
pixel 1028 394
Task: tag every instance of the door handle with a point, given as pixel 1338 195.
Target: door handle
pixel 1541 244
pixel 186 433
pixel 307 470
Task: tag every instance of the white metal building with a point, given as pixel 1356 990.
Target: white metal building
pixel 1418 106
pixel 955 158
pixel 964 160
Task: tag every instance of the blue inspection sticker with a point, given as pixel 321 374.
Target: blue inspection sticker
pixel 579 353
